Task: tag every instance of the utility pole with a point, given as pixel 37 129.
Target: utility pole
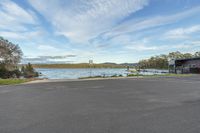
pixel 90 63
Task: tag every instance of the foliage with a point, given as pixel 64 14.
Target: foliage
pixel 158 62
pixel 91 77
pixel 197 54
pixel 134 75
pixel 179 55
pixel 102 76
pixel 161 62
pixel 6 73
pixel 115 75
pixel 28 71
pixel 10 54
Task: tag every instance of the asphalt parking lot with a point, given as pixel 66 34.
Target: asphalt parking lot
pixel 149 105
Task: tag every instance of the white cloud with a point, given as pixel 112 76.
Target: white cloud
pixel 141 47
pixel 44 50
pixel 13 17
pixel 26 35
pixel 11 35
pixel 181 33
pixel 146 23
pixel 49 59
pixel 82 20
pixel 17 23
pixel 48 50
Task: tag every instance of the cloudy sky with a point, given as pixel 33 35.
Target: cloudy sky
pixel 103 30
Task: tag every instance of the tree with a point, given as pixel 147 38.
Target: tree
pixel 187 55
pixel 197 54
pixel 175 55
pixel 10 54
pixel 161 61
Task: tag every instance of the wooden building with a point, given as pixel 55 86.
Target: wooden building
pixel 183 66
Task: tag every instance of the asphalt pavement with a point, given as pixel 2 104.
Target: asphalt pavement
pixel 145 105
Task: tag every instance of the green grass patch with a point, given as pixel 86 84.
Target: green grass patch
pixel 177 75
pixel 13 81
pixel 116 75
pixel 135 75
pixel 161 75
pixel 93 77
pixel 140 75
pixel 172 75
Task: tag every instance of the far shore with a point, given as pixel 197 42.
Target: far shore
pixel 80 65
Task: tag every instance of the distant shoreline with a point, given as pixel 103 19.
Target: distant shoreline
pixel 81 65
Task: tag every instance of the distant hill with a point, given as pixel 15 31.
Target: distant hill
pixel 129 64
pixel 110 63
pixel 81 65
pixel 84 65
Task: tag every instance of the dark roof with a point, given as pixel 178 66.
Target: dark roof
pixel 187 59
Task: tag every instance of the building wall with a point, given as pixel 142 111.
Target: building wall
pixel 190 66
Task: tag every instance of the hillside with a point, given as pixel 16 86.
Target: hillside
pixel 81 65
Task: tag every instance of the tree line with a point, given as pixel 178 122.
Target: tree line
pixel 80 65
pixel 10 57
pixel 161 61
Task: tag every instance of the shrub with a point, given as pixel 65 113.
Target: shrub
pixel 28 71
pixel 4 73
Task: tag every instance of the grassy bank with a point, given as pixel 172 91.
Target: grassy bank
pixel 13 81
pixel 81 65
pixel 159 75
pixel 93 77
pixel 140 75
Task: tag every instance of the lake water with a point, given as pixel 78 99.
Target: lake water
pixel 85 72
pixel 77 73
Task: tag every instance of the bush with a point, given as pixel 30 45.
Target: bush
pixel 28 71
pixel 4 73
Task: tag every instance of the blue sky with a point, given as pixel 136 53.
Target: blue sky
pixel 74 31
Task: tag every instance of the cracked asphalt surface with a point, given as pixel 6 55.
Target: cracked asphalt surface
pixel 149 105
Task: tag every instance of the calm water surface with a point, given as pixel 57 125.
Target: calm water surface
pixel 73 73
pixel 77 73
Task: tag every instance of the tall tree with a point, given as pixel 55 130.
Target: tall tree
pixel 161 61
pixel 10 54
pixel 187 55
pixel 197 54
pixel 175 55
